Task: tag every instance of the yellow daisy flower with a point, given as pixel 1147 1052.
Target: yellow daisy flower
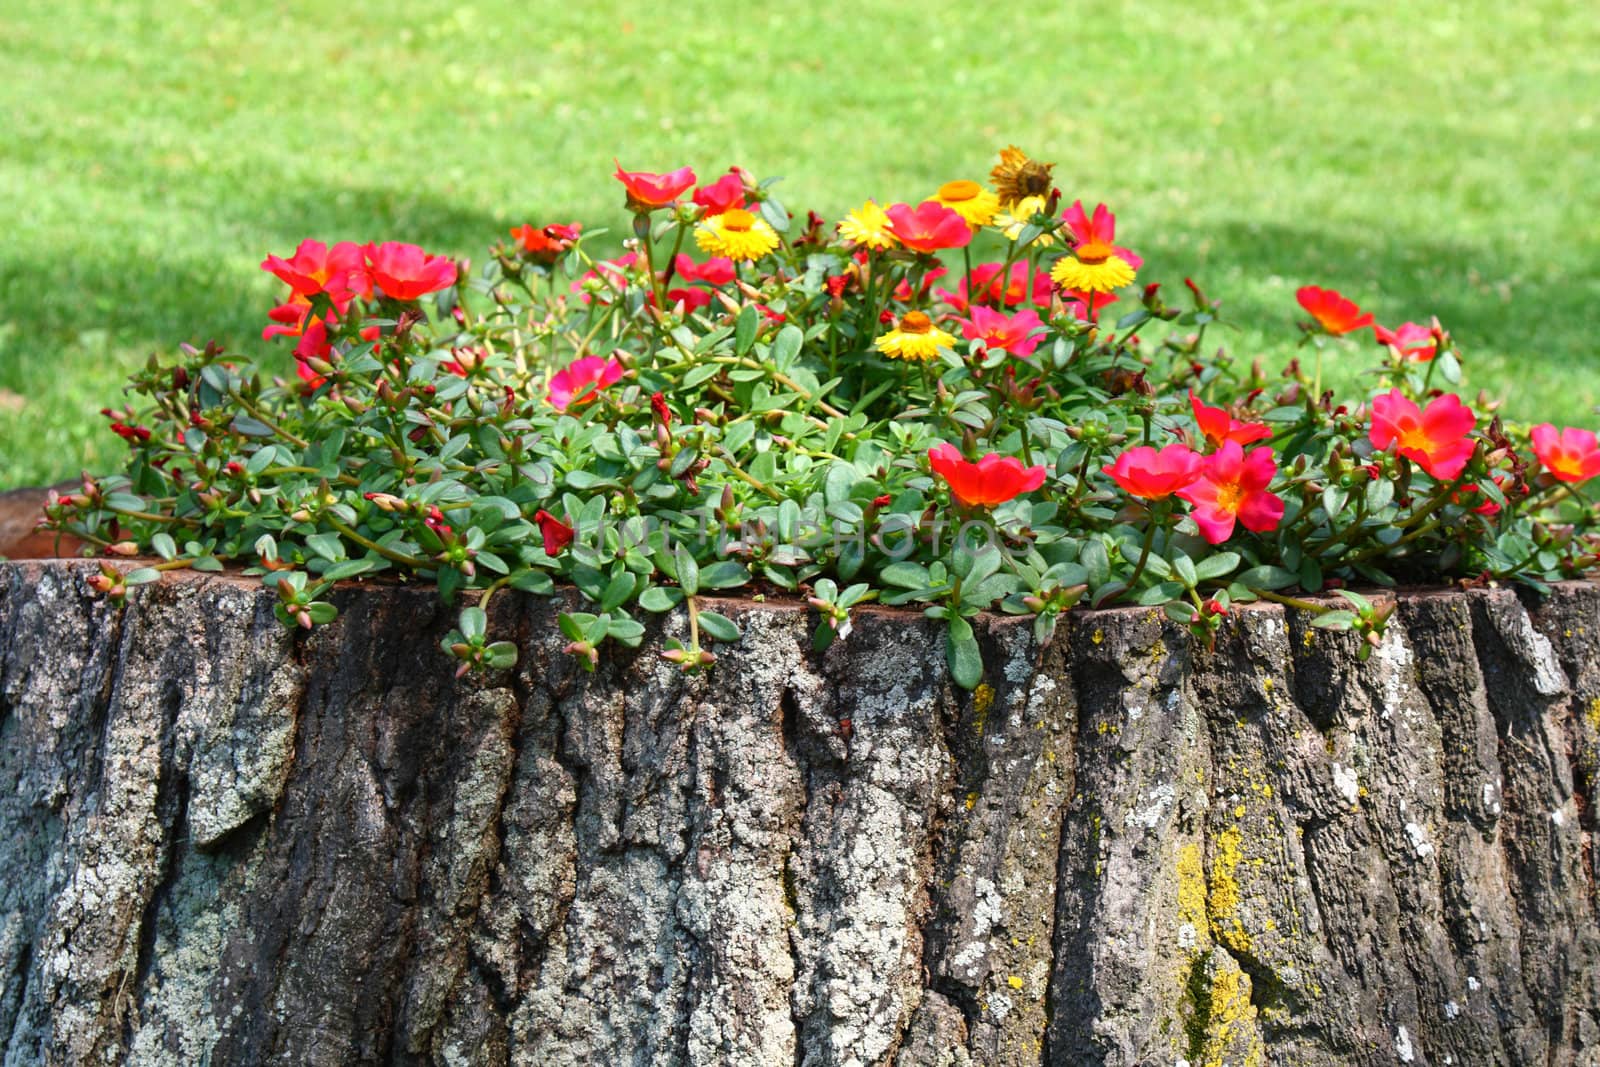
pixel 914 337
pixel 975 204
pixel 868 226
pixel 1093 267
pixel 1017 177
pixel 736 234
pixel 1012 220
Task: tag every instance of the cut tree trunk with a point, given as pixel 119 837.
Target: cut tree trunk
pixel 230 844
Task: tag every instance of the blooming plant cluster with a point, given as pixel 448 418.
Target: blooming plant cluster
pixel 966 402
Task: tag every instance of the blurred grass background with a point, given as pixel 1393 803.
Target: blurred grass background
pixel 1424 158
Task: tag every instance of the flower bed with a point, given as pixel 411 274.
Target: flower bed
pixel 966 403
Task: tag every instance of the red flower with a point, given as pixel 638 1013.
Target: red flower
pixel 557 534
pixel 1438 440
pixel 994 479
pixel 1415 342
pixel 1101 230
pixel 987 287
pixel 658 404
pixel 1014 334
pixel 548 244
pixel 1079 302
pixel 647 191
pixel 1151 475
pixel 1334 313
pixel 928 227
pixel 715 271
pixel 1570 455
pixel 581 381
pixel 1217 426
pixel 406 272
pixel 691 299
pixel 315 268
pixel 902 291
pixel 1233 487
pixel 724 193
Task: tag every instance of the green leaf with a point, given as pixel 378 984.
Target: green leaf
pixel 660 598
pixel 1184 567
pixel 164 546
pixel 841 478
pixel 1096 561
pixel 906 575
pixel 1380 491
pixel 744 329
pixel 962 654
pixel 473 623
pixel 500 655
pixel 322 612
pixel 1216 566
pixel 688 570
pixel 327 545
pixel 724 574
pixel 625 630
pixel 1267 577
pixel 1334 620
pixel 348 569
pixel 142 576
pixel 719 627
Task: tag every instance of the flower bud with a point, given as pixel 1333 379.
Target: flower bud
pixel 124 548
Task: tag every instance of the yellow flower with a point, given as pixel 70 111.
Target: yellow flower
pixel 1017 177
pixel 915 337
pixel 868 226
pixel 736 234
pixel 975 204
pixel 1093 267
pixel 1019 215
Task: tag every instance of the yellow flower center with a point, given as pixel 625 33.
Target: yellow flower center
pixel 962 190
pixel 1093 253
pixel 1415 437
pixel 915 322
pixel 1228 496
pixel 738 220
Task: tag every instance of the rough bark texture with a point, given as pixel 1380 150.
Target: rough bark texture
pixel 229 844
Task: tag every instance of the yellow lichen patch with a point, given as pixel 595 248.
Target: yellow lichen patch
pixel 1232 1034
pixel 1192 889
pixel 1223 898
pixel 1306 640
pixel 1098 635
pixel 983 699
pixel 1014 982
pixel 1266 685
pixel 1592 714
pixel 972 801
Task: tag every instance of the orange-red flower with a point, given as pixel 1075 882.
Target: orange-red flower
pixel 988 287
pixel 994 479
pixel 406 272
pixel 1232 488
pixel 1413 341
pixel 549 243
pixel 1438 439
pixel 647 191
pixel 1334 313
pixel 1016 334
pixel 1149 474
pixel 724 193
pixel 581 381
pixel 1217 426
pixel 928 227
pixel 1570 455
pixel 557 534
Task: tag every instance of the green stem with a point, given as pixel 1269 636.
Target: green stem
pixel 365 542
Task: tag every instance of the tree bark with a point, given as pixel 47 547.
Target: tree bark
pixel 230 844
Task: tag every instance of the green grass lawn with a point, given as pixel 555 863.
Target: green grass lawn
pixel 1423 158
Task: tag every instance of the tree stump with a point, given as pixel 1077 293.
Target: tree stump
pixel 230 844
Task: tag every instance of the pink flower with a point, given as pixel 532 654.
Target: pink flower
pixel 724 193
pixel 406 272
pixel 1151 475
pixel 581 381
pixel 1415 342
pixel 1233 488
pixel 928 227
pixel 315 268
pixel 1015 334
pixel 1571 455
pixel 1099 230
pixel 1438 440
